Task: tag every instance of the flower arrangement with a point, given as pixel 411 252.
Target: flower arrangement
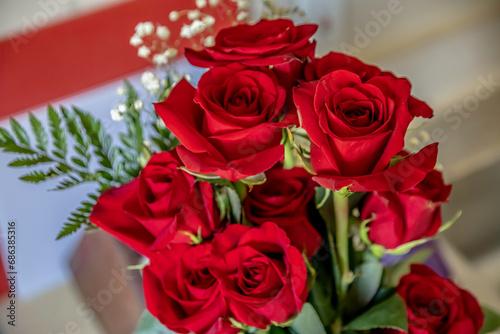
pixel 266 197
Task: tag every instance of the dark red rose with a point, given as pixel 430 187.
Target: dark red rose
pixel 403 217
pixel 231 125
pixel 182 294
pixel 356 128
pixel 263 277
pixel 435 305
pixel 334 61
pixel 158 208
pixel 265 43
pixel 286 198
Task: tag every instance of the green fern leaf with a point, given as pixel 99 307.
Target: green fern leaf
pixel 29 161
pixel 99 139
pixel 5 137
pixel 19 132
pixel 58 134
pixel 69 182
pixel 39 176
pixel 79 218
pixel 12 147
pixel 39 132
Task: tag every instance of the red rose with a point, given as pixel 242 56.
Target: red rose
pixel 435 305
pixel 265 43
pixel 404 217
pixel 182 294
pixel 158 207
pixel 286 198
pixel 356 128
pixel 263 277
pixel 338 61
pixel 231 125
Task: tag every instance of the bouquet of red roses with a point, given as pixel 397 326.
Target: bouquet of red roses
pixel 275 191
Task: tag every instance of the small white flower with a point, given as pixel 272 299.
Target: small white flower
pixel 242 4
pixel 121 91
pixel 144 28
pixel 197 26
pixel 143 52
pixel 138 104
pixel 150 81
pixel 162 32
pixel 173 16
pixel 135 40
pixel 171 52
pixel 193 14
pixel 355 212
pixel 209 20
pixel 242 16
pixel 426 137
pixel 209 41
pixel 116 115
pixel 160 59
pixel 121 108
pixel 153 86
pixel 414 142
pixel 186 31
pixel 148 76
pixel 187 77
pixel 201 3
pixel 213 3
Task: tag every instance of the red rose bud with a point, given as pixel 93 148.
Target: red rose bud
pixel 435 305
pixel 231 125
pixel 265 43
pixel 356 127
pixel 403 217
pixel 286 198
pixel 182 294
pixel 163 205
pixel 263 277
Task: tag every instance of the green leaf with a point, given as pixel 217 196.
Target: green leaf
pixel 79 162
pixel 391 313
pixel 39 176
pixel 58 133
pixel 20 133
pixel 255 179
pixel 235 202
pixel 322 195
pixel 308 322
pixel 69 182
pixel 5 137
pixel 148 324
pixel 491 321
pixel 12 147
pixel 79 218
pixel 29 161
pixel 364 286
pixel 68 229
pixel 39 132
pixel 322 291
pixel 277 330
pixel 450 222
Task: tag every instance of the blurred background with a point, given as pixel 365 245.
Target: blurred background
pixel 450 50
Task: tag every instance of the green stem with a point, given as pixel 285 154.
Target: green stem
pixel 288 163
pixel 341 208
